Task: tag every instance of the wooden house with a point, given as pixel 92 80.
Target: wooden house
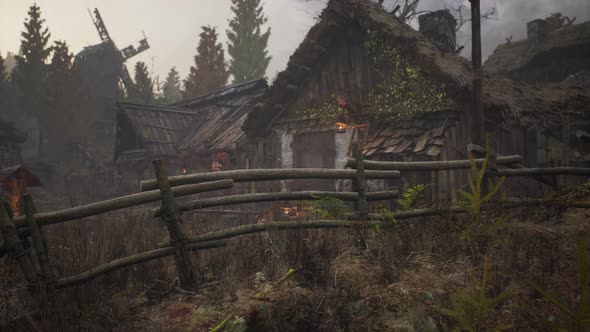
pixel 10 144
pixel 334 65
pixel 14 181
pixel 195 135
pixel 550 53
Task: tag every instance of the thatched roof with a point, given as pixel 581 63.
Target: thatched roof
pixel 20 172
pixel 510 57
pixel 517 104
pixel 151 130
pixel 226 110
pixel 203 124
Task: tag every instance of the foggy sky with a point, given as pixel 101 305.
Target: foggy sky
pixel 172 26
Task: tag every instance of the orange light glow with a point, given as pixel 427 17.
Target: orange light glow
pixel 340 127
pixel 184 171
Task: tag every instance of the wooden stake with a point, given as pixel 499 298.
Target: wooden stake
pixel 37 236
pixel 361 182
pixel 171 217
pixel 15 247
pixel 478 124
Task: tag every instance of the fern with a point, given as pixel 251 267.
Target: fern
pixel 572 318
pixel 471 306
pixel 411 196
pixel 328 208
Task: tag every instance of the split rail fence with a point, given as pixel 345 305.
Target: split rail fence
pixel 20 234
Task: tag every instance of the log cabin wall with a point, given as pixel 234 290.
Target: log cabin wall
pixel 345 71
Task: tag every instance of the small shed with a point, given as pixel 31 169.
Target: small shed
pixel 14 181
pixel 10 141
pixel 194 135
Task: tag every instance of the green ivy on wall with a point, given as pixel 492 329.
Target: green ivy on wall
pixel 403 90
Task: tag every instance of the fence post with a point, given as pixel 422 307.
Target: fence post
pixel 39 244
pixel 16 250
pixel 361 182
pixel 171 217
pixel 361 186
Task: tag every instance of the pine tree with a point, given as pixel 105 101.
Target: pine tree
pixel 247 44
pixel 31 69
pixel 3 88
pixel 143 83
pixel 209 72
pixel 171 91
pixel 62 94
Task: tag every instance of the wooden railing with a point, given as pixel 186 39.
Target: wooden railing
pixel 17 231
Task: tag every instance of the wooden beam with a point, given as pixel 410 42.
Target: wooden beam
pixel 247 175
pixel 430 165
pixel 170 216
pixel 129 261
pixel 92 209
pixel 478 123
pixel 578 171
pixel 399 216
pixel 279 196
pixel 15 248
pixel 37 236
pixel 479 151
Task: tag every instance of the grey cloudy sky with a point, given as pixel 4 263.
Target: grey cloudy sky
pixel 172 26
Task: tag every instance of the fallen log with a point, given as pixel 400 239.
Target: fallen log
pixel 129 261
pixel 92 209
pixel 246 175
pixel 279 196
pixel 430 165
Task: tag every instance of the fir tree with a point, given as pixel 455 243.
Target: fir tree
pixel 3 78
pixel 143 83
pixel 31 69
pixel 247 44
pixel 3 88
pixel 209 72
pixel 62 99
pixel 171 91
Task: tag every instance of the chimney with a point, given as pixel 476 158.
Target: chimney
pixel 536 30
pixel 439 26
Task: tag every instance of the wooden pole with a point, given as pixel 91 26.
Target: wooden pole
pixel 431 165
pixel 15 247
pixel 361 186
pixel 279 196
pixel 39 243
pixel 480 152
pixel 401 215
pixel 478 125
pixel 361 182
pixel 120 203
pixel 246 175
pixel 129 261
pixel 171 217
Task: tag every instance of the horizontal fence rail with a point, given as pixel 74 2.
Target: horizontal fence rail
pixel 430 165
pixel 97 208
pixel 247 175
pixel 129 261
pixel 282 196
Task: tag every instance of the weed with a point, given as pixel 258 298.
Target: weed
pixel 576 318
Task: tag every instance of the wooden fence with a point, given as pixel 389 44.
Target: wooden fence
pixel 20 233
